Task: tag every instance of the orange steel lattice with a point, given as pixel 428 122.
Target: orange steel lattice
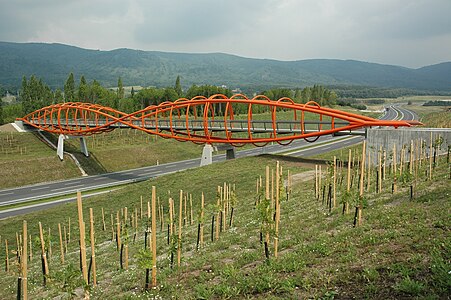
pixel 208 120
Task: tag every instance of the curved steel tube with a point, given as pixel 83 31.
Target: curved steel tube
pixel 179 120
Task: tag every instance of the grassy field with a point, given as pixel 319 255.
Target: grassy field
pixel 433 116
pixel 402 250
pixel 441 119
pixel 24 159
pixel 128 149
pixel 404 99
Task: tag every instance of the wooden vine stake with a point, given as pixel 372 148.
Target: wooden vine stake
pixel 401 160
pixel 185 218
pixel 272 188
pixel 45 266
pixel 31 249
pixel 379 171
pixel 103 220
pixel 61 244
pixel 395 169
pixel 319 179
pixel 316 183
pixel 125 238
pixel 191 209
pixel 362 176
pixel 348 181
pixel 201 231
pixel 112 227
pixel 369 172
pixel 171 219
pixel 218 207
pixel 430 159
pixel 6 256
pixel 411 158
pixel 93 253
pixel 118 231
pixel 223 206
pixel 154 238
pixel 24 262
pixel 267 182
pixel 68 231
pixel 179 244
pixel 81 226
pixel 141 211
pixel 49 250
pixel 334 182
pixel 276 232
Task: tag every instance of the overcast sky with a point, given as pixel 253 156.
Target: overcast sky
pixel 401 32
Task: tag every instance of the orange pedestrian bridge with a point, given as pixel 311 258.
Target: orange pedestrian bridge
pixel 218 119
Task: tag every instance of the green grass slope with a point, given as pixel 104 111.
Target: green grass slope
pixel 24 159
pixel 402 250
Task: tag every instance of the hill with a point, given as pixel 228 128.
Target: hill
pixel 401 251
pixel 53 62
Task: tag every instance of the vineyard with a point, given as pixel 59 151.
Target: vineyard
pixel 268 227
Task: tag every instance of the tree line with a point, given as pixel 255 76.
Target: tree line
pixel 318 93
pixel 35 94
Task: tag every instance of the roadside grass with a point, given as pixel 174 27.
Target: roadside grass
pixel 405 99
pixel 402 250
pixel 125 149
pixel 439 119
pixel 341 154
pixel 26 160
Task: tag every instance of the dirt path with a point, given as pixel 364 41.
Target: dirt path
pixel 302 177
pixel 7 128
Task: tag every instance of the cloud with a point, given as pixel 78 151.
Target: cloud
pixel 411 33
pixel 179 22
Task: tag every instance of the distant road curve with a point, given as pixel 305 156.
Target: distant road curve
pixel 392 112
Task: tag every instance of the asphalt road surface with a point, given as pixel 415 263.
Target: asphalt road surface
pixel 60 188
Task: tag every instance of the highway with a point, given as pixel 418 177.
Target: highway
pixel 61 188
pixel 393 112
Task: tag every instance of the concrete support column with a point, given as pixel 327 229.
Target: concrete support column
pixel 230 153
pixel 207 155
pixel 229 149
pixel 84 146
pixel 60 147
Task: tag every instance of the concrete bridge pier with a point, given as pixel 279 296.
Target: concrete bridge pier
pixel 207 155
pixel 229 149
pixel 60 146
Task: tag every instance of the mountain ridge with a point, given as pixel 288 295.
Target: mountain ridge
pixel 53 63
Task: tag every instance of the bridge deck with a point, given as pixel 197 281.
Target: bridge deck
pixel 255 126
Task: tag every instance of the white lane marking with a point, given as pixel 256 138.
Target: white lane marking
pixel 4 194
pixel 149 174
pixel 70 187
pixel 72 182
pixel 98 178
pixel 39 188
